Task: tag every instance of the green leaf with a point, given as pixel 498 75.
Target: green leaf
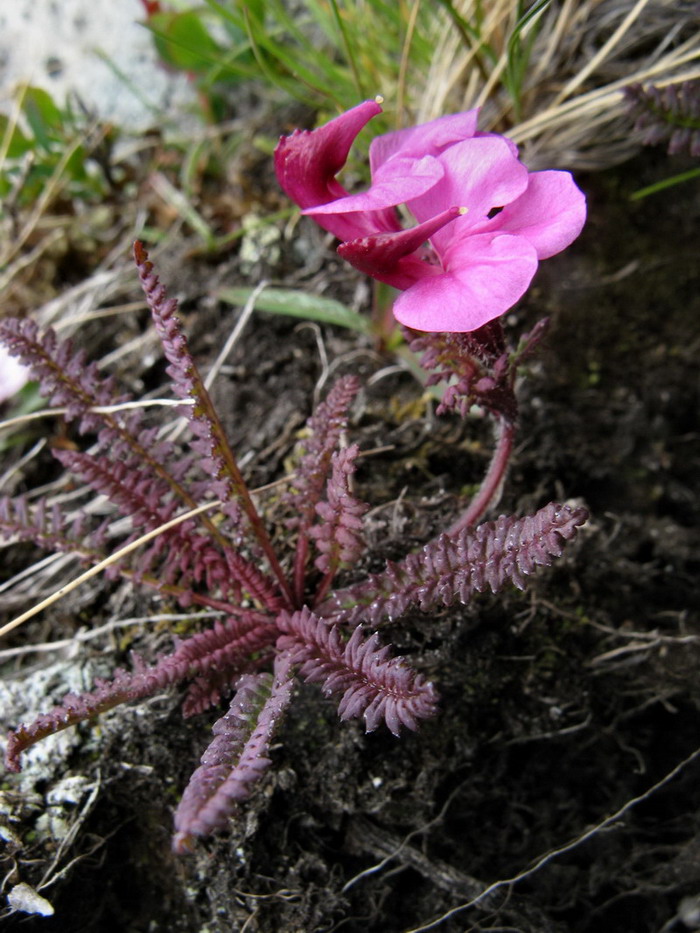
pixel 230 16
pixel 183 41
pixel 44 117
pixel 25 401
pixel 299 304
pixel 17 144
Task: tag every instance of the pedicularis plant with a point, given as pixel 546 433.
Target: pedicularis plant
pixel 484 221
pixel 669 115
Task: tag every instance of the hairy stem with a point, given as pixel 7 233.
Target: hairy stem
pixel 492 482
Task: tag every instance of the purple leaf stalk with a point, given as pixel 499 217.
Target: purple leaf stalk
pixel 483 223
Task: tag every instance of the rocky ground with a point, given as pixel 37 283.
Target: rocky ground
pixel 92 53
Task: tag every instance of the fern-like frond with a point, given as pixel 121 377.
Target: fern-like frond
pixel 129 484
pixel 325 428
pixel 236 758
pixel 210 442
pixel 205 647
pixel 368 683
pixel 220 654
pixel 475 368
pixel 669 115
pixel 76 708
pixel 254 581
pixel 71 383
pixel 451 569
pixel 227 643
pixel 338 536
pixel 49 528
pixel 210 688
pixel 181 557
pixel 63 373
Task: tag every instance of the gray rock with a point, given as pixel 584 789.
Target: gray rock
pixel 96 50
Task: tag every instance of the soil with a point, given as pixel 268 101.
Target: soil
pixel 563 767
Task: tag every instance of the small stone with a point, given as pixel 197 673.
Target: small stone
pixel 23 897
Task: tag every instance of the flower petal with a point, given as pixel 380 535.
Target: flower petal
pixel 393 257
pixel 425 139
pixel 485 275
pixel 511 145
pixel 550 213
pixel 396 182
pixel 480 174
pixel 307 162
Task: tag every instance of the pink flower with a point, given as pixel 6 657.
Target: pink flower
pixel 484 220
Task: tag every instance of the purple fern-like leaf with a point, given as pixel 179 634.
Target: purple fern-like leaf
pixel 49 528
pixel 256 583
pixel 452 569
pixel 77 708
pixel 219 655
pixel 129 484
pixel 64 375
pixel 184 556
pixel 475 368
pixel 338 536
pixel 369 683
pixel 227 644
pixel 211 687
pixel 71 383
pixel 214 454
pixel 237 757
pixel 667 115
pixel 325 428
pixel 210 442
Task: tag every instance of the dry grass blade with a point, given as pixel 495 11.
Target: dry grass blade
pixel 104 564
pixel 601 55
pixel 53 186
pixel 84 635
pixel 9 423
pixel 583 54
pixel 405 61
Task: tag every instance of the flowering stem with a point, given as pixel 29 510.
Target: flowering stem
pixel 491 483
pixel 383 322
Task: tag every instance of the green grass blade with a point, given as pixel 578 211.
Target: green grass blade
pixel 471 35
pixel 263 45
pixel 299 304
pixel 665 183
pixel 348 49
pixel 518 53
